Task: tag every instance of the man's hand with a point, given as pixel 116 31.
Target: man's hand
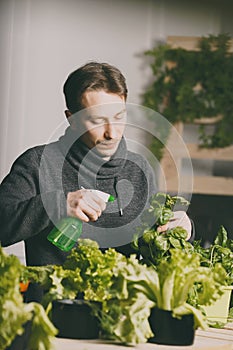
pixel 180 218
pixel 85 205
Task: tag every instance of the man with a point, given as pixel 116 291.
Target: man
pixel 50 182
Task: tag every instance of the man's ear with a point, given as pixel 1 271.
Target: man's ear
pixel 68 114
pixel 69 119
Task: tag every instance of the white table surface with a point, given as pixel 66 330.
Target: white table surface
pixel 212 339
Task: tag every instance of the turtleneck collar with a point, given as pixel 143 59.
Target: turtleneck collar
pixel 87 161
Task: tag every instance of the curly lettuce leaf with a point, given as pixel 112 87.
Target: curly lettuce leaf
pixel 185 271
pixel 14 313
pixel 42 331
pixel 126 320
pixel 125 315
pixel 185 309
pixel 13 316
pixel 96 268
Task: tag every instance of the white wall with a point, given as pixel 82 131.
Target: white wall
pixel 41 41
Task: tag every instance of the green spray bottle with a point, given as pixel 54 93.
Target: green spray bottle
pixel 66 233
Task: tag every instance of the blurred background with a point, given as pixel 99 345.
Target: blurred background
pixel 42 41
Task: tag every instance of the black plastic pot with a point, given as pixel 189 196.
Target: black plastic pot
pixel 74 319
pixel 169 330
pixel 21 342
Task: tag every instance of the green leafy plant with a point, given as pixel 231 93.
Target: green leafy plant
pixel 101 276
pixel 219 252
pixel 127 288
pixel 139 288
pixel 191 85
pixel 156 248
pixel 14 313
pixel 152 245
pixel 172 275
pixel 174 280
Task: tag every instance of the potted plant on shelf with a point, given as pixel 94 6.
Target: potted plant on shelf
pixel 191 86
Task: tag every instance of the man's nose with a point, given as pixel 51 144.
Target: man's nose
pixel 110 130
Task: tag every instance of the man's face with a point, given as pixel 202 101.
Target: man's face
pixel 102 123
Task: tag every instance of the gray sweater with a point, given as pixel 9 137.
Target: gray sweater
pixel 33 196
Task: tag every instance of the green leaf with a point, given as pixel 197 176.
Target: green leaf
pixel 14 313
pixel 221 238
pixel 43 330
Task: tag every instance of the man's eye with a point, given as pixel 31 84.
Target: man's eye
pixel 120 116
pixel 97 121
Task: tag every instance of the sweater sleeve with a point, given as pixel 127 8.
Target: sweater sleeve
pixel 153 186
pixel 22 212
pixel 151 179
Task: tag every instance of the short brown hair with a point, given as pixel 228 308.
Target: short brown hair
pixel 93 76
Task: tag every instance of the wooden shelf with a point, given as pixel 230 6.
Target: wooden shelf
pixel 173 180
pixel 224 154
pixel 187 42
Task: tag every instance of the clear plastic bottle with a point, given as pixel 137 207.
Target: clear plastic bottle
pixel 66 233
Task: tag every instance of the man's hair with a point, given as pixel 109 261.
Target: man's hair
pixel 93 76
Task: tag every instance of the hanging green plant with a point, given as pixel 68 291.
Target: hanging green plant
pixel 190 85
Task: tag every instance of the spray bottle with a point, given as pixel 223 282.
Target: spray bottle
pixel 66 233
